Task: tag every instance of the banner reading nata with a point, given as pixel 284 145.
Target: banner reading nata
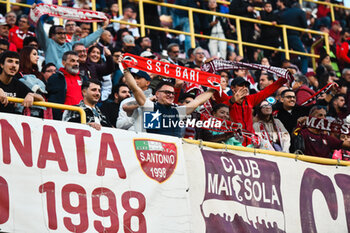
pixel 67 177
pixel 248 192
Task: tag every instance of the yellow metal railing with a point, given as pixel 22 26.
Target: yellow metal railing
pixel 238 29
pixel 238 19
pixel 54 105
pixel 306 158
pixel 331 6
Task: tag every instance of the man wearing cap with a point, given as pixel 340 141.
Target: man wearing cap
pixel 4 34
pixel 129 45
pixel 242 104
pixel 130 114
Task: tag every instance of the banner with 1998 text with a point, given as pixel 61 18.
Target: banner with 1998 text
pixel 68 177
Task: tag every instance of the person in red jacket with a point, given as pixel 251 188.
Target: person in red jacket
pixel 242 104
pixel 344 55
pixel 17 34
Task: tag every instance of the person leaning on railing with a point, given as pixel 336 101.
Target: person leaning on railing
pixel 10 86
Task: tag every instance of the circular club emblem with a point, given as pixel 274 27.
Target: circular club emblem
pixel 130 61
pixel 214 81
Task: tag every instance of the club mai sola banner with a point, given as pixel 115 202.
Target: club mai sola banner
pixel 68 177
pixel 238 191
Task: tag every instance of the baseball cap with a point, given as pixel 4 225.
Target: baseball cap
pixel 335 22
pixel 239 81
pixel 147 54
pixel 140 73
pixel 129 40
pixel 3 22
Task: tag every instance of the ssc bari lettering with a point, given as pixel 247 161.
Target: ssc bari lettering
pixel 178 72
pixel 50 136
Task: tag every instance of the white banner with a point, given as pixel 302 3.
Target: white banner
pixel 68 177
pixel 247 192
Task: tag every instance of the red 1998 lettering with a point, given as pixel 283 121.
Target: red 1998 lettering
pixel 80 209
pixel 4 201
pixel 134 212
pixel 111 212
pixel 49 189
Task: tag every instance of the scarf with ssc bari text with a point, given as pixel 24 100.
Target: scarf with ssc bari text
pixel 172 71
pixel 75 14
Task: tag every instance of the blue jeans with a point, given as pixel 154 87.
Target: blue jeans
pixel 295 43
pixel 185 26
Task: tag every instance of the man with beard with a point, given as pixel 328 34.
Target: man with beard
pixel 337 107
pixel 64 87
pixel 288 112
pixel 111 106
pixel 10 86
pixel 80 49
pixel 91 90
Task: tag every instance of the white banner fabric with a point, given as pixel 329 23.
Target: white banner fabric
pixel 68 177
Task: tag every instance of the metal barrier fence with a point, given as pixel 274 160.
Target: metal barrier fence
pixel 306 158
pixel 238 19
pixel 193 35
pixel 54 105
pixel 331 6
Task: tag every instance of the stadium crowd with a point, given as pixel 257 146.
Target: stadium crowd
pixel 72 65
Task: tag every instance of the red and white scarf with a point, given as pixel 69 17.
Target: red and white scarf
pixel 172 71
pixel 75 14
pixel 325 89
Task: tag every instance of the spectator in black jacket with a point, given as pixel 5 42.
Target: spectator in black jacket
pixel 245 8
pixel 296 17
pixel 288 112
pixel 270 35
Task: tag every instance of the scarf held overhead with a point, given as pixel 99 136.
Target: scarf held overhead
pixel 172 71
pixel 219 65
pixel 70 13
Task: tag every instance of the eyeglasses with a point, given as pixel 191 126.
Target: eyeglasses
pixel 60 33
pixel 290 97
pixel 175 51
pixel 266 106
pixel 167 92
pixel 80 51
pixel 200 53
pixel 50 71
pixel 70 25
